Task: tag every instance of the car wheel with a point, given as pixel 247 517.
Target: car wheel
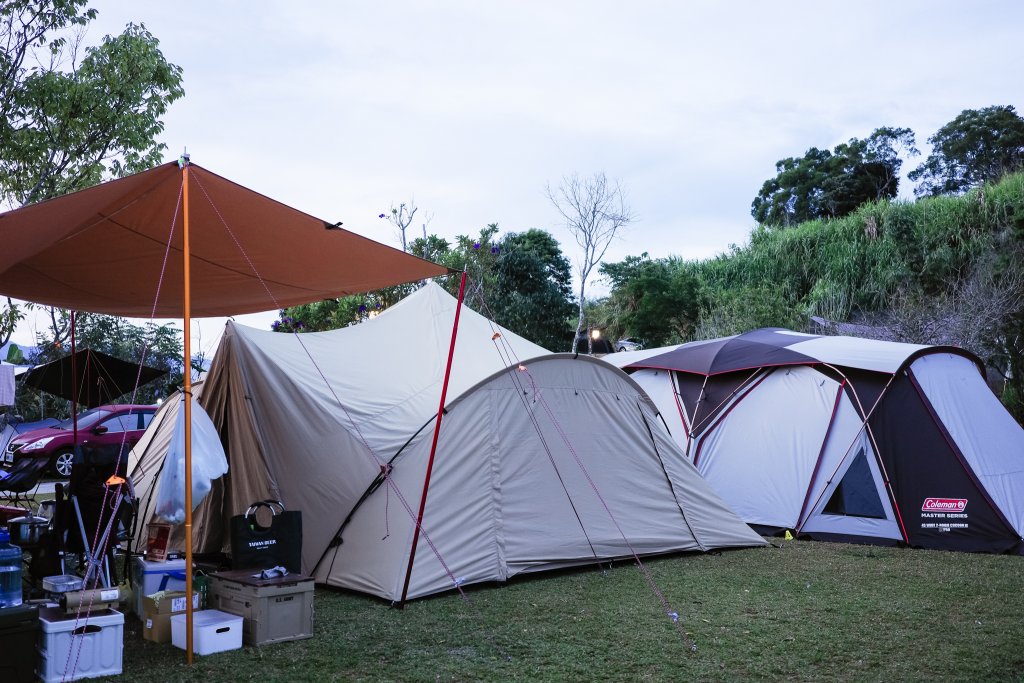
pixel 62 463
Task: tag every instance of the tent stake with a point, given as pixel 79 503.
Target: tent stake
pixel 433 444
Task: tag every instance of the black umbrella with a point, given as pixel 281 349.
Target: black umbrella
pixel 97 378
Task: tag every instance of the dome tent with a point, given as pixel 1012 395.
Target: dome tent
pixel 541 463
pixel 845 438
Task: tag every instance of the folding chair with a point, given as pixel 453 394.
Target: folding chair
pixel 95 512
pixel 21 479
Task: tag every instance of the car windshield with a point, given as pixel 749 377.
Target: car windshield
pixel 86 419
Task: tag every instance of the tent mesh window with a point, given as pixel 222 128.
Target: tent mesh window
pixel 856 494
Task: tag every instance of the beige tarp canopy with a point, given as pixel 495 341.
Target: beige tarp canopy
pixel 103 250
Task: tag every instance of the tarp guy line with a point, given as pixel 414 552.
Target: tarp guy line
pixel 674 616
pixel 70 670
pixel 379 461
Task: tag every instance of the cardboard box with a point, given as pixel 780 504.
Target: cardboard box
pixel 96 640
pixel 157 611
pixel 275 610
pixel 151 577
pixel 212 631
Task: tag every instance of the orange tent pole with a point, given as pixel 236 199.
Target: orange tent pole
pixel 187 392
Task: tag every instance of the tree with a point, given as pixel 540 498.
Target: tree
pixel 744 308
pixel 68 122
pixel 824 184
pixel 533 288
pixel 401 217
pixel 521 281
pixel 657 301
pixel 594 210
pixel 977 146
pixel 10 316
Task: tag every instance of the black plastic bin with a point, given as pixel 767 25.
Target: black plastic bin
pixel 19 633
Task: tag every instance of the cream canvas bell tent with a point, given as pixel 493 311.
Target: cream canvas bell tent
pixel 845 438
pixel 542 460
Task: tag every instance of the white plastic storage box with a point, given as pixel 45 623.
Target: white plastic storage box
pixel 275 610
pixel 149 577
pixel 212 631
pixel 74 647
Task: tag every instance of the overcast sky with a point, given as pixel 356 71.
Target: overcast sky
pixel 469 108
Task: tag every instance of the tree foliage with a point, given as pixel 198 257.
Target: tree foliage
pixel 69 121
pixel 656 300
pixel 979 145
pixel 939 270
pixel 71 115
pixel 533 288
pixel 824 184
pixel 522 281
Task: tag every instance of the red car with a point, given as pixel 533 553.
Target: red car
pixel 102 426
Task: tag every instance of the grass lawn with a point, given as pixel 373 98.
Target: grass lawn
pixel 803 611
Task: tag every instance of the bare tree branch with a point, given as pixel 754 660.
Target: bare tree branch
pixel 593 210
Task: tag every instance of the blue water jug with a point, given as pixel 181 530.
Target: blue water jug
pixel 10 571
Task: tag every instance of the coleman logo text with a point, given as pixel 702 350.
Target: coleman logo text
pixel 944 505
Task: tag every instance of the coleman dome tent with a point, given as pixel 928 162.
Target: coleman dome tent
pixel 840 437
pixel 542 460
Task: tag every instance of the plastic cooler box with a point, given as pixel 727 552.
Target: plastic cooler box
pixel 149 577
pixel 74 647
pixel 275 609
pixel 212 631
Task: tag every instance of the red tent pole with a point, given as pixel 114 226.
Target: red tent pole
pixel 187 393
pixel 433 444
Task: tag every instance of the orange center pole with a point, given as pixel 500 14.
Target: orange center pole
pixel 187 391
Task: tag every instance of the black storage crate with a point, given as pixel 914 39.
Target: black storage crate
pixel 19 633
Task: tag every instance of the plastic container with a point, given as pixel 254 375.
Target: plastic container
pixel 10 571
pixel 274 610
pixel 19 633
pixel 62 583
pixel 212 631
pixel 74 647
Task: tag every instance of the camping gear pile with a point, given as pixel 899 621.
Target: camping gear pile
pixel 845 438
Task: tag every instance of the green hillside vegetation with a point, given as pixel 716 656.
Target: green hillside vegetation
pixel 941 270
